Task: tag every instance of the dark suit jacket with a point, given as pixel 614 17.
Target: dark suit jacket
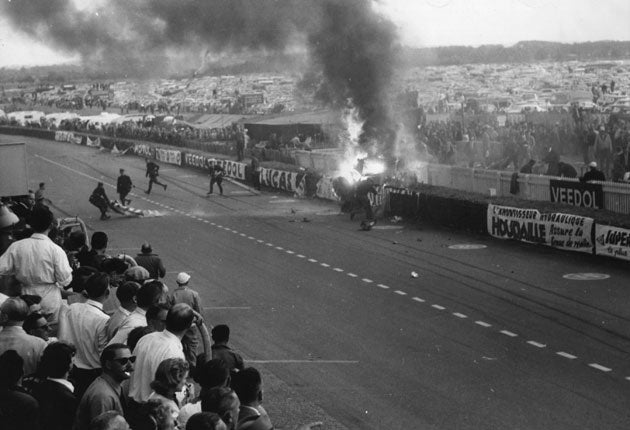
pixel 57 405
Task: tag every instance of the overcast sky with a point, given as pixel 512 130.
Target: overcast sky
pixel 432 23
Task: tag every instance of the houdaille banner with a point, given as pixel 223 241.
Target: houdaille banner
pixel 562 231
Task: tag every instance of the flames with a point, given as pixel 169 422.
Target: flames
pixel 356 163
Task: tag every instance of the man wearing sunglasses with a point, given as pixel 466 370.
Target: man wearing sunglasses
pixel 105 393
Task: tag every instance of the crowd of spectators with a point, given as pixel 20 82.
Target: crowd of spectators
pixel 483 143
pixel 90 340
pixel 171 131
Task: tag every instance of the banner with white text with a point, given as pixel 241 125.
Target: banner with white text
pixel 612 242
pixel 280 179
pixel 562 231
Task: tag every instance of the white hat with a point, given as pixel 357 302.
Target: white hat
pixel 182 278
pixel 592 164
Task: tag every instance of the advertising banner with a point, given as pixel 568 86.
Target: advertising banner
pixel 64 136
pixel 612 242
pixel 576 193
pixel 169 156
pixel 143 150
pixel 198 161
pixel 325 189
pixel 562 231
pixel 280 179
pixel 233 169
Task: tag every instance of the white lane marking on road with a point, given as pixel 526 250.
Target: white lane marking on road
pixel 225 307
pixel 418 299
pixel 367 280
pixel 260 240
pixel 566 355
pixel 586 276
pixel 467 246
pixel 219 225
pixel 312 260
pixel 279 248
pixel 438 307
pixel 300 256
pixel 400 293
pixel 269 244
pixel 600 367
pixel 508 333
pixel 206 221
pixel 324 265
pixel 383 286
pixel 288 251
pixel 483 324
pixel 243 234
pixel 352 275
pixel 337 269
pixel 251 238
pixel 459 315
pixel 536 344
pixel 283 201
pixel 303 361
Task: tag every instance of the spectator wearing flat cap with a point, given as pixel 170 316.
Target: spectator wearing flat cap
pixel 150 261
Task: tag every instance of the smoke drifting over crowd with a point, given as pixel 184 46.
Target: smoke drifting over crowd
pixel 351 43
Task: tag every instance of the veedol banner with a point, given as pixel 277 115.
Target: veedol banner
pixel 563 231
pixel 287 181
pixel 233 169
pixel 198 161
pixel 612 242
pixel 576 193
pixel 169 156
pixel 143 150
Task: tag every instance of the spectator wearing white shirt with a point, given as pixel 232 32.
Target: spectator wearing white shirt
pixel 149 294
pixel 84 325
pixel 156 347
pixel 39 264
pixel 126 295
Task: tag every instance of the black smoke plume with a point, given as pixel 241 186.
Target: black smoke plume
pixel 353 45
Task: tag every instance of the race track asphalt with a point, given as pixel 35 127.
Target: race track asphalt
pixel 401 327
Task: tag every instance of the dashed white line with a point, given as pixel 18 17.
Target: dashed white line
pixel 300 256
pixel 243 234
pixel 508 333
pixel 483 324
pixel 279 248
pixel 400 293
pixel 600 367
pixel 251 237
pixel 352 275
pixel 383 286
pixel 260 241
pixel 312 260
pixel 458 315
pixel 536 344
pixel 288 251
pixel 324 265
pixel 566 355
pixel 367 280
pixel 438 307
pixel 418 299
pixel 337 269
pixel 269 244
